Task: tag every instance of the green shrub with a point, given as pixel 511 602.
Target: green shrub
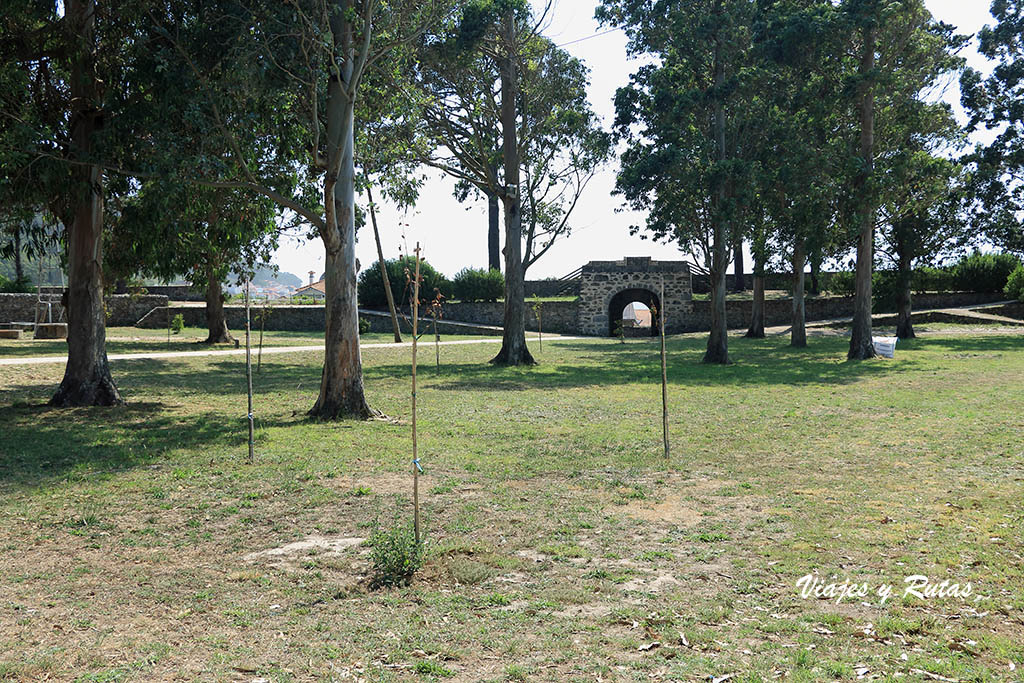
pixel 929 279
pixel 1015 284
pixel 843 283
pixel 984 272
pixel 396 555
pixel 371 288
pixel 177 323
pixel 885 290
pixel 476 284
pixel 16 286
pixel 364 325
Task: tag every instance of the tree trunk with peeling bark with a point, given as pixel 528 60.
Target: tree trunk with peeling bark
pixel 740 277
pixel 798 334
pixel 861 343
pixel 718 341
pixel 216 320
pixel 493 232
pixel 341 384
pixel 756 329
pixel 19 269
pixel 87 380
pixel 513 346
pixel 904 309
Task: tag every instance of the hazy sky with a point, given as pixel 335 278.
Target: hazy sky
pixel 454 235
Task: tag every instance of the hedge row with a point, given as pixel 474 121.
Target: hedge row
pixel 468 285
pixel 975 273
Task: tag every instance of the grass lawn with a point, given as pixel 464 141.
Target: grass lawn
pixel 137 340
pixel 562 545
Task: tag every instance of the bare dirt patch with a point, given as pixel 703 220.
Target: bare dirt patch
pixel 671 510
pixel 329 547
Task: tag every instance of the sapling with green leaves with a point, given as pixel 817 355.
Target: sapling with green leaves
pixel 664 366
pixel 413 280
pixel 248 372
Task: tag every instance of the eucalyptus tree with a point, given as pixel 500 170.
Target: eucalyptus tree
pixel 920 220
pixel 61 69
pixel 800 160
pixel 166 230
pixel 562 147
pixel 495 78
pixel 682 124
pixel 995 103
pixel 279 85
pixel 921 190
pixel 902 53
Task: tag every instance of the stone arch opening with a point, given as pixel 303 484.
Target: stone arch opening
pixel 618 303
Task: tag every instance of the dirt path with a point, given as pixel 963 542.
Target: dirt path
pixel 968 315
pixel 39 360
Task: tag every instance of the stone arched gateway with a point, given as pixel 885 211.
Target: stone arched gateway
pixel 608 285
pixel 618 303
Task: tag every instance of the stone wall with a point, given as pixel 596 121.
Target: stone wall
pixel 780 311
pixel 381 322
pixel 1014 310
pixel 559 317
pixel 298 319
pixel 122 310
pixel 177 292
pixel 601 281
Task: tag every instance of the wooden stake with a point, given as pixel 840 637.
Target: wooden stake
pixel 248 376
pixel 415 450
pixel 664 370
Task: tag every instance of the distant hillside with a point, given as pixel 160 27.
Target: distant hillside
pixel 265 275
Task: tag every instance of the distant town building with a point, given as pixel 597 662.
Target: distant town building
pixel 316 290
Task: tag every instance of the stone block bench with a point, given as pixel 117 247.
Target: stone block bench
pixel 52 331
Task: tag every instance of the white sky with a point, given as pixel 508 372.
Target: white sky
pixel 454 235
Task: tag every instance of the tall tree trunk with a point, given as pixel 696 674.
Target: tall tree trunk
pixel 19 268
pixel 384 269
pixel 861 343
pixel 493 232
pixel 718 340
pixel 216 320
pixel 740 277
pixel 756 329
pixel 341 385
pixel 904 325
pixel 87 380
pixel 815 260
pixel 513 345
pixel 798 335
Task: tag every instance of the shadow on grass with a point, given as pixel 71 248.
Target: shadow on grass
pixel 755 362
pixel 42 443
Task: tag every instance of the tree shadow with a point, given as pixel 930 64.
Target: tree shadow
pixel 755 362
pixel 41 443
